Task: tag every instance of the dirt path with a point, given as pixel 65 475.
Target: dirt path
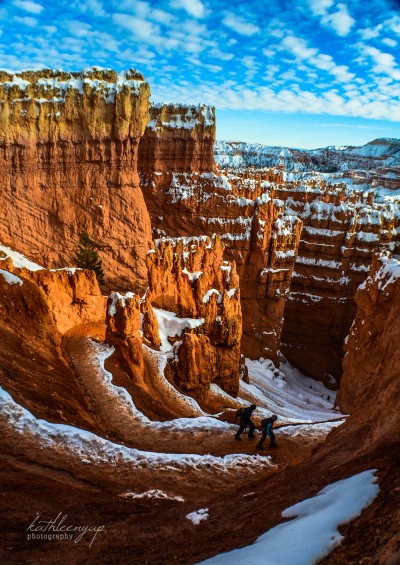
pixel 130 429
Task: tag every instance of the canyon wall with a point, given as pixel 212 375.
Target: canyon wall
pixel 178 139
pixel 68 155
pixel 301 248
pixel 371 377
pixel 342 231
pixel 191 199
pixel 190 278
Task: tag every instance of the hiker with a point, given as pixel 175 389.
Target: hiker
pixel 245 420
pixel 266 427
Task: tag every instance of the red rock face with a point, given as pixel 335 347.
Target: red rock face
pixel 341 233
pixel 73 296
pixel 178 138
pixel 371 377
pixel 301 250
pixel 257 236
pixel 36 310
pixel 68 155
pixel 123 332
pixel 190 277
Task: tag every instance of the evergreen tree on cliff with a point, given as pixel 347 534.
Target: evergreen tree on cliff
pixel 88 258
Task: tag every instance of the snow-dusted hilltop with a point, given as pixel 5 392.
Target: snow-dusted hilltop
pixel 377 154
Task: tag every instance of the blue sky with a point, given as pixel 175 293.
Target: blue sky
pixel 302 73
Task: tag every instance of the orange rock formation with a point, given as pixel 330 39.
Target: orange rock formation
pixel 68 155
pixel 370 383
pixel 189 276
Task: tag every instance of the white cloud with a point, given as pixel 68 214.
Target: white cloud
pixel 389 42
pixel 221 55
pixel 139 27
pixel 300 49
pixel 27 21
pixel 320 7
pixel 79 29
pixel 385 63
pixel 239 25
pixel 339 20
pixel 393 24
pixel 371 33
pixel 28 6
pixel 50 29
pixel 96 7
pixel 193 7
pixel 226 95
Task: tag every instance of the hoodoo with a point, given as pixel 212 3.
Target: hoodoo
pixel 235 294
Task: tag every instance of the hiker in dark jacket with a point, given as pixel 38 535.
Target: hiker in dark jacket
pixel 267 430
pixel 245 420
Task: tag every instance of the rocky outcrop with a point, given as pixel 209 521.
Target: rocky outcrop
pixel 123 332
pixel 188 276
pixel 37 308
pixel 73 296
pixel 179 139
pixel 68 155
pixel 371 377
pixel 260 239
pixel 342 230
pixel 301 250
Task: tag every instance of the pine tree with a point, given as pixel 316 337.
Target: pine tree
pixel 88 258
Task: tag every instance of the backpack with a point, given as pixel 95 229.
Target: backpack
pixel 239 413
pixel 265 422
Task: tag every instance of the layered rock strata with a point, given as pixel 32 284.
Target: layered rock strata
pixel 68 155
pixel 261 240
pixel 123 332
pixel 342 230
pixel 301 249
pixel 188 276
pixel 178 138
pixel 371 377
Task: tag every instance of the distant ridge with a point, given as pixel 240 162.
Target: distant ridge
pixel 376 154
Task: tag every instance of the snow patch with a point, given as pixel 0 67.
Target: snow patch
pixel 10 278
pixel 198 516
pixel 313 532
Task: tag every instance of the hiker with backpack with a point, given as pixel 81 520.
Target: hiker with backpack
pixel 267 430
pixel 245 415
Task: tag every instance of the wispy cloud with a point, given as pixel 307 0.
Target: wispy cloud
pixel 28 6
pixel 333 15
pixel 194 7
pixel 240 25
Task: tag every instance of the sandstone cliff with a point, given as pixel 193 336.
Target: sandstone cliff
pixel 37 308
pixel 301 249
pixel 371 377
pixel 72 296
pixel 342 232
pixel 190 278
pixel 123 332
pixel 68 155
pixel 178 139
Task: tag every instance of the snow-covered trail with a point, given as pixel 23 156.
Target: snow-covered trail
pixel 124 422
pixel 94 459
pixel 128 451
pixel 287 393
